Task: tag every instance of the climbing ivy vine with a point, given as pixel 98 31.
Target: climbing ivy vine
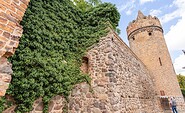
pixel 56 35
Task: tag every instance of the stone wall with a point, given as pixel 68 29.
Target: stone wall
pixel 147 41
pixel 120 81
pixel 5 75
pixel 11 13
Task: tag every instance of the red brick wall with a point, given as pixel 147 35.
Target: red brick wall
pixel 11 13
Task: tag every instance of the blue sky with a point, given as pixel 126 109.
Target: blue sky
pixel 172 16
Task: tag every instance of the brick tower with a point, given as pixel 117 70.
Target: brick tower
pixel 146 39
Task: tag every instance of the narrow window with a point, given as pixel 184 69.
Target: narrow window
pixel 150 34
pixel 160 61
pixel 84 67
pixel 162 92
pixel 133 37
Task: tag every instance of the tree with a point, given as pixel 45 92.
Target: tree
pixel 82 4
pixel 181 80
pixel 85 5
pixel 95 2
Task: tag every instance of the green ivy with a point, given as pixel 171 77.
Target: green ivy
pixel 4 103
pixel 183 92
pixel 55 38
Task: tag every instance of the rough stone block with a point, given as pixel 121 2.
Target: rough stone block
pixel 5 66
pixel 3 21
pixel 2 92
pixel 3 39
pixel 3 85
pixel 6 78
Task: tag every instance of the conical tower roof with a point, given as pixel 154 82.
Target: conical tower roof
pixel 140 15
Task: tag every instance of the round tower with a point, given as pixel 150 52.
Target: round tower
pixel 146 39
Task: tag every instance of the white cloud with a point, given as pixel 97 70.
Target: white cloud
pixel 175 38
pixel 145 1
pixel 180 4
pixel 128 8
pixel 155 12
pixel 128 12
pixel 168 17
pixel 179 63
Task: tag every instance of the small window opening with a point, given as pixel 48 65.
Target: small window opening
pixel 160 61
pixel 112 39
pixel 85 65
pixel 162 92
pixel 133 38
pixel 150 34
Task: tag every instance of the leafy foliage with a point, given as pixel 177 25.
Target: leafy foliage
pixel 56 36
pixel 95 2
pixel 4 103
pixel 83 5
pixel 181 80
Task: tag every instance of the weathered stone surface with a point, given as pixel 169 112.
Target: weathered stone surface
pixel 147 41
pixel 55 105
pixel 2 92
pixel 5 77
pixel 39 107
pixel 5 66
pixel 120 81
pixel 10 110
pixel 51 105
pixel 11 14
pixel 120 86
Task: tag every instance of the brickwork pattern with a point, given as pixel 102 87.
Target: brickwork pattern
pixel 146 40
pixel 11 13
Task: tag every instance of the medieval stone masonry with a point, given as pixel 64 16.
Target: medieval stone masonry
pixel 145 35
pixel 11 13
pixel 139 79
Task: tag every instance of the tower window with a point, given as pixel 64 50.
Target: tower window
pixel 162 92
pixel 133 37
pixel 85 65
pixel 160 61
pixel 149 33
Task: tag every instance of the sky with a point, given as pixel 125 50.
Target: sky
pixel 171 14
